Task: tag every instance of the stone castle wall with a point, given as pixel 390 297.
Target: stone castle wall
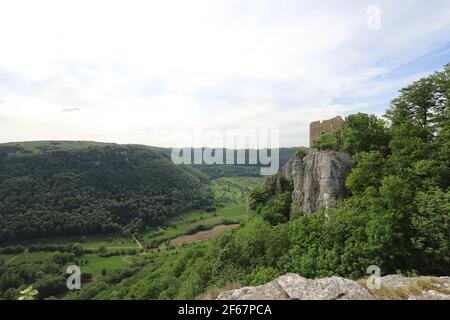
pixel 318 128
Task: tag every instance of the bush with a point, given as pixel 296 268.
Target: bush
pixel 329 141
pixel 300 153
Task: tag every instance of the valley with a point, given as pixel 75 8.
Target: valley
pixel 106 253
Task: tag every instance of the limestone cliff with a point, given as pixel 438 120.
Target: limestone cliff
pixel 319 179
pixel 287 169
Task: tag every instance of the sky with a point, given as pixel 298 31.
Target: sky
pixel 138 71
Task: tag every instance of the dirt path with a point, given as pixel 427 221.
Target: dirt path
pixel 12 259
pixel 202 235
pixel 125 259
pixel 137 241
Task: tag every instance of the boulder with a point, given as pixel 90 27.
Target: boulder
pixel 319 179
pixel 294 287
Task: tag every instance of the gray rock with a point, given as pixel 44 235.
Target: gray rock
pixel 396 281
pixel 334 288
pixel 319 179
pixel 287 169
pixel 269 291
pixel 295 287
pixel 440 286
pixel 430 295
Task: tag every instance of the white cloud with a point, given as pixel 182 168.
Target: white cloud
pixel 132 71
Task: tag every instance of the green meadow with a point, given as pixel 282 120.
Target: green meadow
pixel 113 241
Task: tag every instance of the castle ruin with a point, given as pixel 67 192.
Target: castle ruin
pixel 318 128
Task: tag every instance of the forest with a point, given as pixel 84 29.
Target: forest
pixel 74 188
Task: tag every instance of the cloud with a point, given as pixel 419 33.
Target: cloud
pixel 70 109
pixel 137 70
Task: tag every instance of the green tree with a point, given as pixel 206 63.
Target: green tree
pixel 329 141
pixel 431 230
pixel 278 209
pixel 367 173
pixel 366 133
pixel 257 197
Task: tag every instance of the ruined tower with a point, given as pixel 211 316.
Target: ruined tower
pixel 318 128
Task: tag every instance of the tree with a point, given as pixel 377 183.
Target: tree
pixel 257 197
pixel 431 225
pixel 300 153
pixel 329 141
pixel 277 210
pixel 51 286
pixel 364 133
pixel 28 294
pixel 367 173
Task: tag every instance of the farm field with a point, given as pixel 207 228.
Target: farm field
pixel 93 263
pixel 96 264
pixel 27 257
pixel 230 193
pixel 113 241
pixel 188 222
pixel 233 189
pixel 202 235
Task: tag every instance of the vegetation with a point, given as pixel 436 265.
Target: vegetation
pixel 233 189
pixel 111 257
pixel 70 188
pixel 397 217
pixel 362 132
pixel 230 195
pixel 300 153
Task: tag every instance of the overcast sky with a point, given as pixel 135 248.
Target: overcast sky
pixel 134 71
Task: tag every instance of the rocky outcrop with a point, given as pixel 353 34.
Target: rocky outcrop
pixel 319 179
pixel 294 287
pixel 287 169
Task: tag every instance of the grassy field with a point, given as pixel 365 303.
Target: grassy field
pixel 96 264
pixel 113 241
pixel 185 223
pixel 235 212
pixel 230 194
pixel 26 257
pixel 234 189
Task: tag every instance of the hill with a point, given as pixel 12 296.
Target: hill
pixel 247 170
pixel 70 188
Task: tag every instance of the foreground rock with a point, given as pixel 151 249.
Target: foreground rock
pixel 295 287
pixel 319 179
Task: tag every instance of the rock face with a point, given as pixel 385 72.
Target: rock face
pixel 294 287
pixel 287 169
pixel 319 179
